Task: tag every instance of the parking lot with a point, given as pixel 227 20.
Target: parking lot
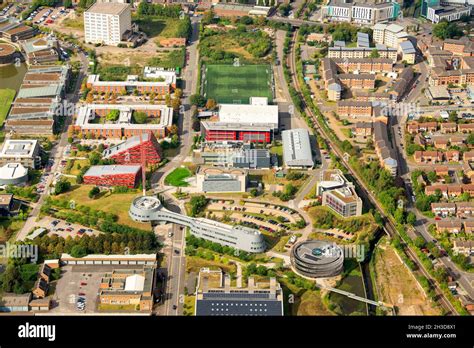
pixel 81 281
pixel 11 10
pixel 45 16
pixel 78 281
pixel 64 229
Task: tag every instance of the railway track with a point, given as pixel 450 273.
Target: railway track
pixel 389 226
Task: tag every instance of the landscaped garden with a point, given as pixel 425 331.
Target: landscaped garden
pixel 178 177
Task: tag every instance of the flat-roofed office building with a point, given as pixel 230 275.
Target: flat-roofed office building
pixel 105 23
pixel 26 152
pixel 215 179
pixel 297 149
pixel 215 296
pixel 339 194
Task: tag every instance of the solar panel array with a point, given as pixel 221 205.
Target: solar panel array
pixel 218 307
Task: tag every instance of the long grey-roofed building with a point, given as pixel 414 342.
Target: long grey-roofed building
pixel 215 297
pixel 100 259
pixel 38 102
pixel 150 209
pixel 383 147
pixel 297 149
pixel 239 156
pixel 317 259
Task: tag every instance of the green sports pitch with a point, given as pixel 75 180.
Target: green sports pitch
pixel 231 84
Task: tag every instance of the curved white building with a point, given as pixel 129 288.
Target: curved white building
pixel 317 259
pixel 149 209
pixel 13 174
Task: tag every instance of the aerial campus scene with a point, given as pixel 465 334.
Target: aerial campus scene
pixel 247 158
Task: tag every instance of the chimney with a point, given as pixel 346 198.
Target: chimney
pixel 227 283
pixel 251 286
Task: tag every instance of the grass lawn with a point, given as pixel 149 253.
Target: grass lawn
pixel 158 27
pixel 280 246
pixel 352 282
pixel 117 204
pixel 235 85
pixel 6 98
pixel 189 305
pixel 177 177
pixel 9 227
pixel 172 59
pixel 75 170
pixel 115 307
pixel 194 264
pixel 393 282
pixel 76 23
pixel 278 151
pixel 306 302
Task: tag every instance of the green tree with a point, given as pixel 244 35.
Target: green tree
pixel 61 187
pixel 10 279
pixel 399 216
pixel 113 115
pixel 374 54
pixel 284 9
pixel 208 17
pixel 198 204
pixel 432 177
pixel 470 139
pixel 78 251
pixel 411 218
pixel 420 242
pixel 444 30
pixel 94 192
pixel 140 117
pixel 197 99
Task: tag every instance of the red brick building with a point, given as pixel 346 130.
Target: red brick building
pixel 130 151
pixel 113 175
pixel 218 131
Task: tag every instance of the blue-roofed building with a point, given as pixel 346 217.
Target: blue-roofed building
pixel 216 297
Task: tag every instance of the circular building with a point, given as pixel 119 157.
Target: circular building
pixel 13 174
pixel 7 53
pixel 145 208
pixel 317 259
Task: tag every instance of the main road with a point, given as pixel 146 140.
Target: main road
pixel 176 261
pixel 465 279
pixel 367 194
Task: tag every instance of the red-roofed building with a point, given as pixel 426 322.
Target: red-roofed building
pixel 113 175
pixel 130 151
